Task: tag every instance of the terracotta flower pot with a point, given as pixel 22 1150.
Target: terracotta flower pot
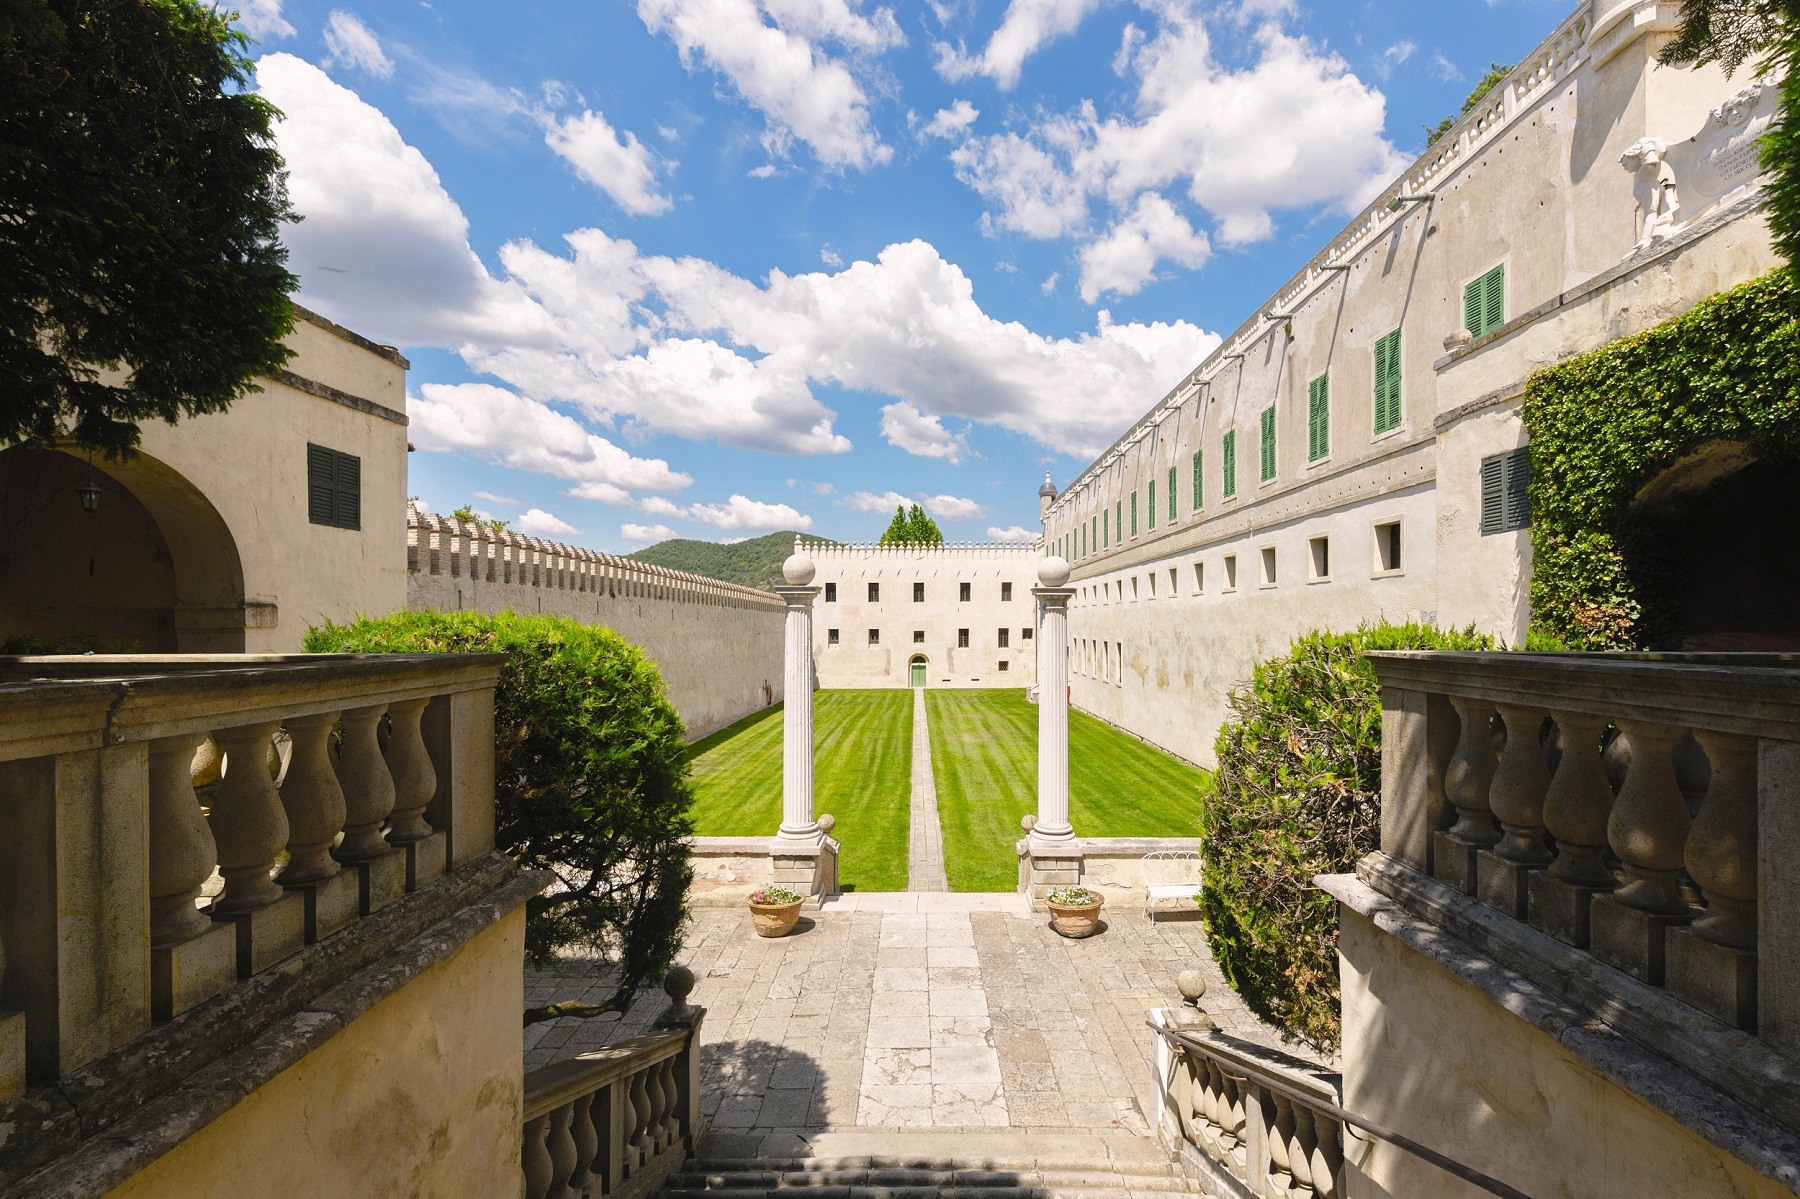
pixel 775 919
pixel 1076 920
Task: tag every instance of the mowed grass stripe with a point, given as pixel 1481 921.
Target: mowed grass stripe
pixel 984 758
pixel 862 774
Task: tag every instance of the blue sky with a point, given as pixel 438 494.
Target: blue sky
pixel 709 268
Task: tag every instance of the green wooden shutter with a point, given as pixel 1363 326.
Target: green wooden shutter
pixel 349 492
pixel 1134 512
pixel 1119 520
pixel 1493 314
pixel 1318 418
pixel 1268 443
pixel 1505 502
pixel 1387 382
pixel 1199 492
pixel 1151 491
pixel 321 486
pixel 1171 495
pixel 1228 457
pixel 1518 503
pixel 1493 494
pixel 1472 308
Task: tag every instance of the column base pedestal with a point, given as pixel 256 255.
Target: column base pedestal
pixel 1630 938
pixel 190 972
pixel 1717 979
pixel 1046 865
pixel 1561 908
pixel 380 881
pixel 808 871
pixel 268 934
pixel 331 903
pixel 1504 884
pixel 1453 861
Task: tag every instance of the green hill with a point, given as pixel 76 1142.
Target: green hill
pixel 753 563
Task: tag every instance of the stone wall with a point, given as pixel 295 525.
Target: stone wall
pixel 718 645
pixel 930 628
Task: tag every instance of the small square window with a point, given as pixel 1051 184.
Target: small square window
pixel 1387 548
pixel 1005 636
pixel 1268 566
pixel 1003 665
pixel 962 592
pixel 1199 578
pixel 874 636
pixel 1318 559
pixel 918 636
pixel 962 639
pixel 1024 634
pixel 1134 588
pixel 874 593
pixel 1005 591
pixel 1174 581
pixel 918 593
pixel 831 593
pixel 831 636
pixel 1153 584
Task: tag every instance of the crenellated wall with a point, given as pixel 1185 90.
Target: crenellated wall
pixel 717 644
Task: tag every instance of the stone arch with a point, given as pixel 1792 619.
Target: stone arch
pixel 1716 533
pixel 155 565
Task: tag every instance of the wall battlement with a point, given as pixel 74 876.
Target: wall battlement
pixel 968 549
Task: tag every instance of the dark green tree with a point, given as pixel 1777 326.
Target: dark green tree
pixel 141 196
pixel 924 530
pixel 590 782
pixel 1497 72
pixel 1731 33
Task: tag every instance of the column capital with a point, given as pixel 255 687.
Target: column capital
pixel 1054 597
pixel 798 597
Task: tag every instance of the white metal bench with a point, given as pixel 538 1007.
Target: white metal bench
pixel 1170 874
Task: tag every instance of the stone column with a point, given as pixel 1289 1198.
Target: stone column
pixel 801 843
pixel 1054 858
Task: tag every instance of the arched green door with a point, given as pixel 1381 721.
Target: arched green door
pixel 918 672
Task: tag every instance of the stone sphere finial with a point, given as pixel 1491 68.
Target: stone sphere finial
pixel 1053 572
pixel 1191 984
pixel 798 570
pixel 827 822
pixel 1028 821
pixel 677 984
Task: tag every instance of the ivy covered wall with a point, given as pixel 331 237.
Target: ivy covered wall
pixel 1719 382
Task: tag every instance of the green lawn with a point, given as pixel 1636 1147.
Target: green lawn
pixel 862 774
pixel 984 760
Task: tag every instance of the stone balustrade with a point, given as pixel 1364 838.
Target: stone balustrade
pixel 618 1121
pixel 444 545
pixel 1638 808
pixel 1244 1119
pixel 128 898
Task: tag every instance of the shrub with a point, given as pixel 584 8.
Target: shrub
pixel 1297 794
pixel 590 780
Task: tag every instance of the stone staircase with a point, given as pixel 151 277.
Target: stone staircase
pixel 930 1165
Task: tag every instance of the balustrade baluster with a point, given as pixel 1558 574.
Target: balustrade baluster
pixel 1281 1137
pixel 414 779
pixel 1648 827
pixel 1306 1139
pixel 640 1123
pixel 248 822
pixel 1516 793
pixel 313 799
pixel 587 1144
pixel 367 786
pixel 1578 803
pixel 1721 847
pixel 535 1158
pixel 1237 1145
pixel 1467 779
pixel 1328 1159
pixel 562 1152
pixel 653 1119
pixel 668 1130
pixel 182 850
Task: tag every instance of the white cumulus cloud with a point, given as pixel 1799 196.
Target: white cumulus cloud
pixel 1014 533
pixel 621 166
pixel 868 501
pixel 741 513
pixel 535 522
pixel 906 428
pixel 952 507
pixel 263 19
pixel 949 122
pixel 353 44
pixel 645 534
pixel 1027 25
pixel 1124 258
pixel 774 55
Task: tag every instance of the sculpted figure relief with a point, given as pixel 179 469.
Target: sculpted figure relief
pixel 1657 198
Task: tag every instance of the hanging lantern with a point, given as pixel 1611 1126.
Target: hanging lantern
pixel 90 496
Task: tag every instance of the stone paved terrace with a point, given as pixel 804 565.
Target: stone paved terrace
pixel 916 1011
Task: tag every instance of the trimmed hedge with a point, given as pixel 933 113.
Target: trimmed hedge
pixel 1603 424
pixel 1296 795
pixel 590 777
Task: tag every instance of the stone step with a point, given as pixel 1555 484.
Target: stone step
pixel 1146 1167
pixel 945 1191
pixel 991 1175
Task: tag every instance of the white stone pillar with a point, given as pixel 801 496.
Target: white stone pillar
pixel 800 832
pixel 1052 835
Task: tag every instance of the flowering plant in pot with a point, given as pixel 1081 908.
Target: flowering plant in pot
pixel 1074 911
pixel 775 911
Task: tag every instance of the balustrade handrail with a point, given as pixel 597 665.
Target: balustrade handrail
pixel 1187 1042
pixel 549 1087
pixel 1753 695
pixel 58 704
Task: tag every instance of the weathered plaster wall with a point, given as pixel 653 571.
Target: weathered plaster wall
pixel 1431 1058
pixel 718 646
pixel 421 1095
pixel 927 627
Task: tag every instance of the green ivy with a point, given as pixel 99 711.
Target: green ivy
pixel 1605 423
pixel 590 780
pixel 1297 795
